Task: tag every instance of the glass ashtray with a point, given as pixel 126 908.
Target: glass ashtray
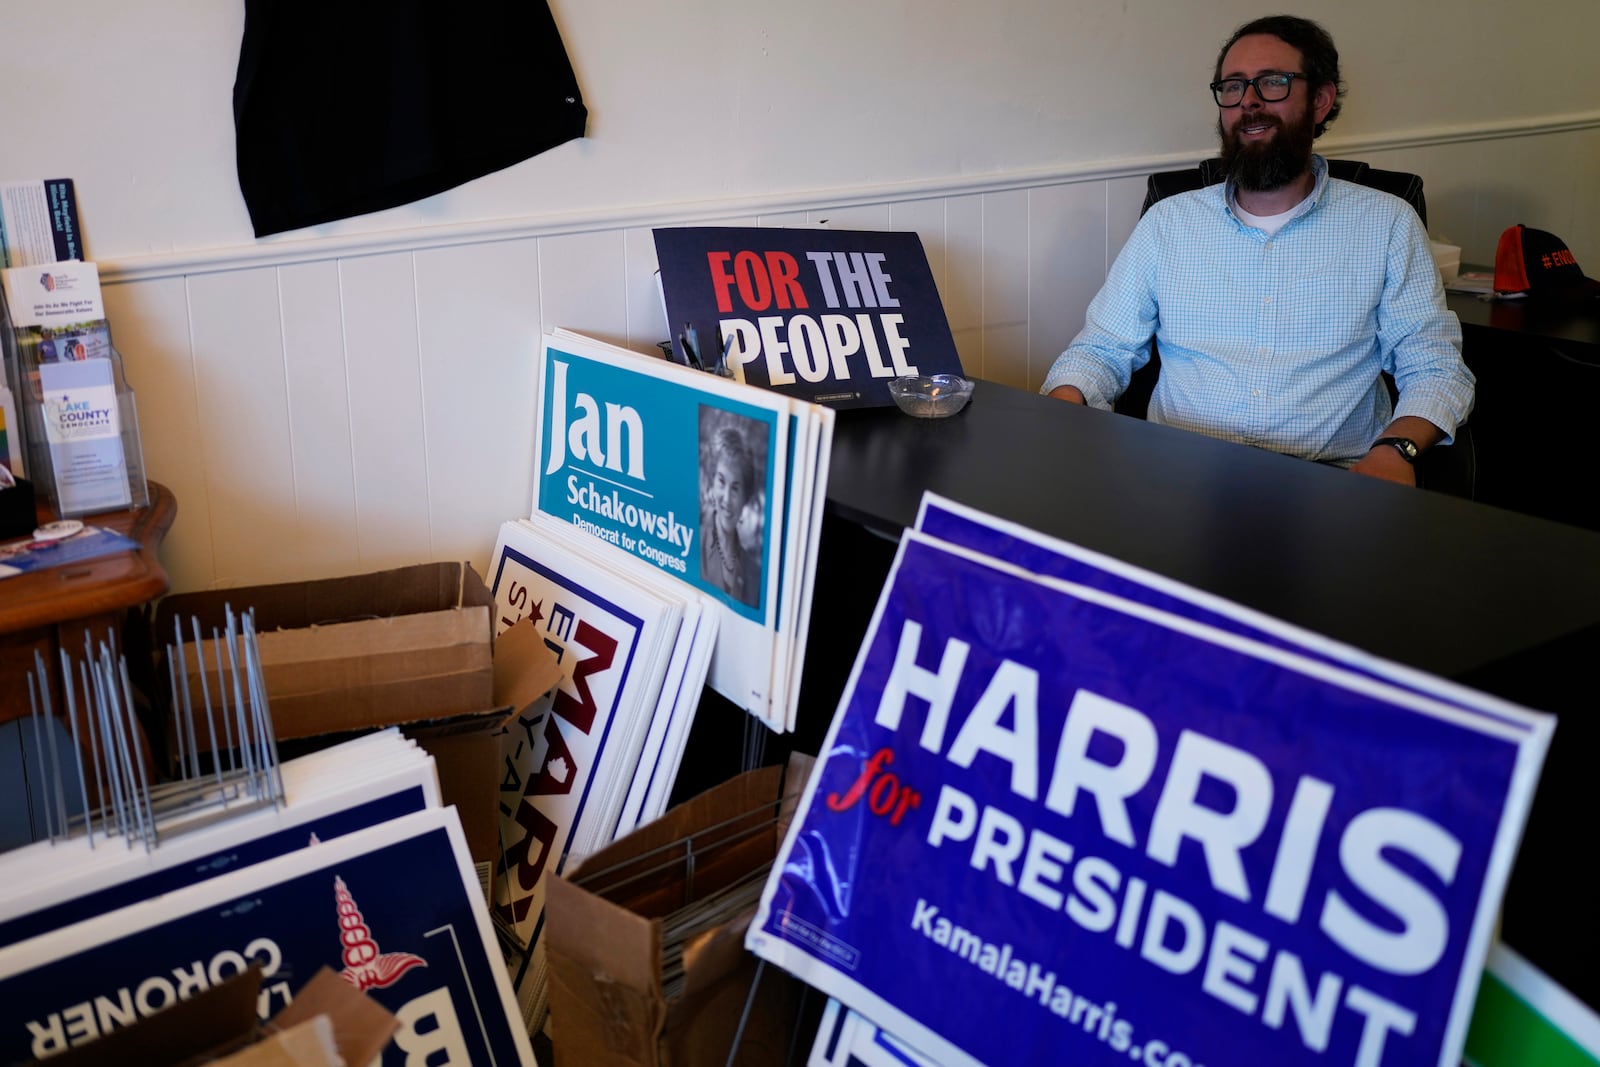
pixel 931 396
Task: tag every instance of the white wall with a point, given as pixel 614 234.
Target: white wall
pixel 359 396
pixel 708 100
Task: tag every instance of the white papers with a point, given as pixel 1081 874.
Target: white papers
pixel 54 294
pixel 1479 282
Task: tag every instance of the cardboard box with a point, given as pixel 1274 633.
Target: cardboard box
pixel 607 1003
pixel 220 1025
pixel 338 654
pixel 411 647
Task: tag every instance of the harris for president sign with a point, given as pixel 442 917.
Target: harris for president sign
pixel 1055 824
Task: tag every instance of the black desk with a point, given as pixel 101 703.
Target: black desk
pixel 1538 368
pixel 1572 326
pixel 1503 602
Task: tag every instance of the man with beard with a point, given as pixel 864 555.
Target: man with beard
pixel 1277 297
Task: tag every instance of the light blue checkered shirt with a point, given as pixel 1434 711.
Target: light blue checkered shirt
pixel 1278 341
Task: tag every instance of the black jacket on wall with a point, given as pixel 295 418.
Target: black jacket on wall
pixel 343 107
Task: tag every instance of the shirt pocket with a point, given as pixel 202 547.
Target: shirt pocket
pixel 1331 299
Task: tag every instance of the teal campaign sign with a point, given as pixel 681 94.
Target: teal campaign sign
pixel 675 474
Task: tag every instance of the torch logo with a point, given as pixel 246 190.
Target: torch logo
pixel 365 967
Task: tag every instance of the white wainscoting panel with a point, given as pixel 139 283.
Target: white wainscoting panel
pixel 1537 185
pixel 1585 204
pixel 582 286
pixel 478 328
pixel 963 264
pixel 320 437
pixel 1066 265
pixel 389 436
pixel 235 322
pixel 926 219
pixel 1124 198
pixel 1006 240
pixel 647 320
pixel 150 327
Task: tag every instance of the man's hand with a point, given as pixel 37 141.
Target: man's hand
pixel 1386 462
pixel 1069 393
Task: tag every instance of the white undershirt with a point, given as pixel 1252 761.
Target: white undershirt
pixel 1269 224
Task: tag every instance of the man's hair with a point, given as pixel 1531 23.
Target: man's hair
pixel 1317 54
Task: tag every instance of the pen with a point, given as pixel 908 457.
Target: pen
pixel 690 340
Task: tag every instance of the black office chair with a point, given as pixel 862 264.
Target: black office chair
pixel 1450 470
pixel 1407 187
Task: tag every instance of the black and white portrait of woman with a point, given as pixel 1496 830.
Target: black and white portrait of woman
pixel 733 468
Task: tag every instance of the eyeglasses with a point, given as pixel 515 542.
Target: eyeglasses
pixel 1269 87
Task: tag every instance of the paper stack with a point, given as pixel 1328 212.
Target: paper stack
pixel 394 908
pixel 185 883
pixel 846 1039
pixel 50 884
pixel 600 754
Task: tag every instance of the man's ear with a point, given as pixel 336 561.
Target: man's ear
pixel 1322 100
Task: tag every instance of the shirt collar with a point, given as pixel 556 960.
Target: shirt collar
pixel 1319 169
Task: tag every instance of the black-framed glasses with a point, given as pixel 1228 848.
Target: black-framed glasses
pixel 1270 88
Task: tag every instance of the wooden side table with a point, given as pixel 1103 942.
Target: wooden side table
pixel 50 609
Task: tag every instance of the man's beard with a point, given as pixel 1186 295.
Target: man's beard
pixel 1266 166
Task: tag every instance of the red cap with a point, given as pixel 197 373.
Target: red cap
pixel 1538 263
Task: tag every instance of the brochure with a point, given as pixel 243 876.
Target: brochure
pixel 83 423
pixel 27 554
pixel 39 222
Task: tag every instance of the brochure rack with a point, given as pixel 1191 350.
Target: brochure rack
pixel 76 469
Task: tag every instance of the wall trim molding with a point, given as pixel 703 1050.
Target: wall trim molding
pixel 287 252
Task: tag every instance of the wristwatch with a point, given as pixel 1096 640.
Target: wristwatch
pixel 1403 445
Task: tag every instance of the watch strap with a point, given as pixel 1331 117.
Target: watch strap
pixel 1404 445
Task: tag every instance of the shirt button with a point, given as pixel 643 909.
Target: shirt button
pixel 1266 300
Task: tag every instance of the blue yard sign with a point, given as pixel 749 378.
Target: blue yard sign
pixel 829 316
pixel 1051 824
